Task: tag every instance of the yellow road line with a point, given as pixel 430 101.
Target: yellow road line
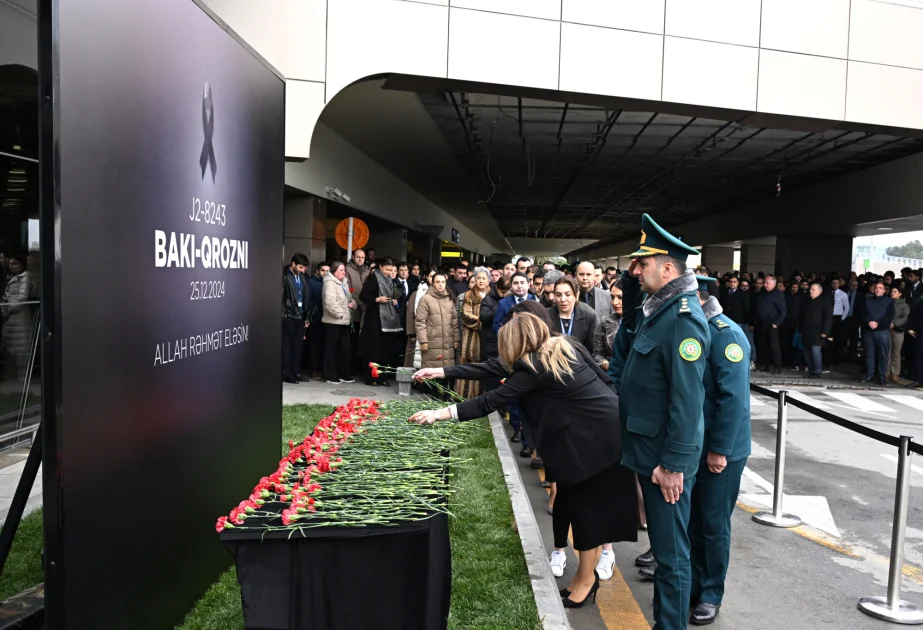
pixel 618 607
pixel 912 573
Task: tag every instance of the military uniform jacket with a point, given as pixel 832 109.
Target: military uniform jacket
pixel 658 366
pixel 727 390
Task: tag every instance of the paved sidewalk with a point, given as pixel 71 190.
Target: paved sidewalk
pixel 12 463
pixel 798 579
pixel 324 393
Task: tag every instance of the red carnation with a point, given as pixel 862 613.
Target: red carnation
pixel 439 357
pixel 222 524
pixel 375 372
pixel 502 381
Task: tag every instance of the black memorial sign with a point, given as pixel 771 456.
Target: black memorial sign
pixel 167 310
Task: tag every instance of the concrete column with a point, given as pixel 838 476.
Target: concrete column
pixel 754 258
pixel 813 253
pixel 389 242
pixel 718 259
pixel 304 228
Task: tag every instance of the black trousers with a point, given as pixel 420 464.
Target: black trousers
pixel 840 333
pixel 355 361
pixel 789 352
pixel 911 349
pixel 336 352
pixel 316 343
pixel 292 343
pixel 769 349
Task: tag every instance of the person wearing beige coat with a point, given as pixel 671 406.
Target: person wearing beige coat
pixel 338 308
pixel 437 326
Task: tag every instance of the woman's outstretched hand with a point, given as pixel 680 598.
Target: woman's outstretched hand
pixel 425 373
pixel 427 416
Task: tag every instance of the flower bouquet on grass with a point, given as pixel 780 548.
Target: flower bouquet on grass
pixel 364 465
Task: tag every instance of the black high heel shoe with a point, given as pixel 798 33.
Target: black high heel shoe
pixel 569 603
pixel 564 592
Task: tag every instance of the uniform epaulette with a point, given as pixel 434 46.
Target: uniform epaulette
pixel 721 324
pixel 684 307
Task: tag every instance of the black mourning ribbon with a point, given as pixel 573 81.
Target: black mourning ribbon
pixel 208 124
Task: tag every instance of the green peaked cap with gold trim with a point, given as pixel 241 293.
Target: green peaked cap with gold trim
pixel 656 241
pixel 704 281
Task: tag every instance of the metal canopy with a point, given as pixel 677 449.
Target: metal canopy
pixel 560 170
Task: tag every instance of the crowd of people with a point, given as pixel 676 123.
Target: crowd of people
pixel 809 321
pixel 562 351
pixel 575 359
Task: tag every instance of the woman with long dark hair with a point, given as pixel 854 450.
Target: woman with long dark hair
pixel 470 349
pixel 568 406
pixel 568 318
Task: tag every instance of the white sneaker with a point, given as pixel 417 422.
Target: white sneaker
pixel 558 563
pixel 347 380
pixel 605 565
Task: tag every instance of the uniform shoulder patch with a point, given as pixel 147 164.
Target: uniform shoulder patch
pixel 721 324
pixel 684 306
pixel 734 353
pixel 690 349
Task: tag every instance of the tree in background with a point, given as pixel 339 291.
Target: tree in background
pixel 913 249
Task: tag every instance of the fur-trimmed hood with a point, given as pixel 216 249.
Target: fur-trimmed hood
pixel 683 284
pixel 711 307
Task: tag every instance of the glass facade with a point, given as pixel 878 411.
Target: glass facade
pixel 20 264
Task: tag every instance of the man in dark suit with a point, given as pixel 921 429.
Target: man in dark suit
pixel 914 286
pixel 913 345
pixel 736 306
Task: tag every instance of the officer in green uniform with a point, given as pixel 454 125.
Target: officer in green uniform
pixel 658 366
pixel 724 455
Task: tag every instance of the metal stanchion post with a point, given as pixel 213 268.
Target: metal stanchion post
pixel 777 518
pixel 892 608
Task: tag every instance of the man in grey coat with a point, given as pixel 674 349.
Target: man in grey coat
pixel 595 297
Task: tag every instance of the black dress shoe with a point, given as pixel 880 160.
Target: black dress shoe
pixel 647 573
pixel 704 614
pixel 517 436
pixel 646 559
pixel 526 451
pixel 865 380
pixel 537 463
pixel 289 380
pixel 883 382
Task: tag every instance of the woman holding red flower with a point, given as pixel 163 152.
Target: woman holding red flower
pixel 570 410
pixel 382 333
pixel 437 325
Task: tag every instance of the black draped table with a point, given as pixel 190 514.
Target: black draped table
pixel 345 578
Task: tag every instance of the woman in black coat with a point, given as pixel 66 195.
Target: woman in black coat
pixel 568 318
pixel 814 324
pixel 379 341
pixel 569 408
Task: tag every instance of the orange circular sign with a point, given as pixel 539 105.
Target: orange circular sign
pixel 360 234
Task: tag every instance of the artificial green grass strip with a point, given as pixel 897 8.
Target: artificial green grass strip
pixel 23 568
